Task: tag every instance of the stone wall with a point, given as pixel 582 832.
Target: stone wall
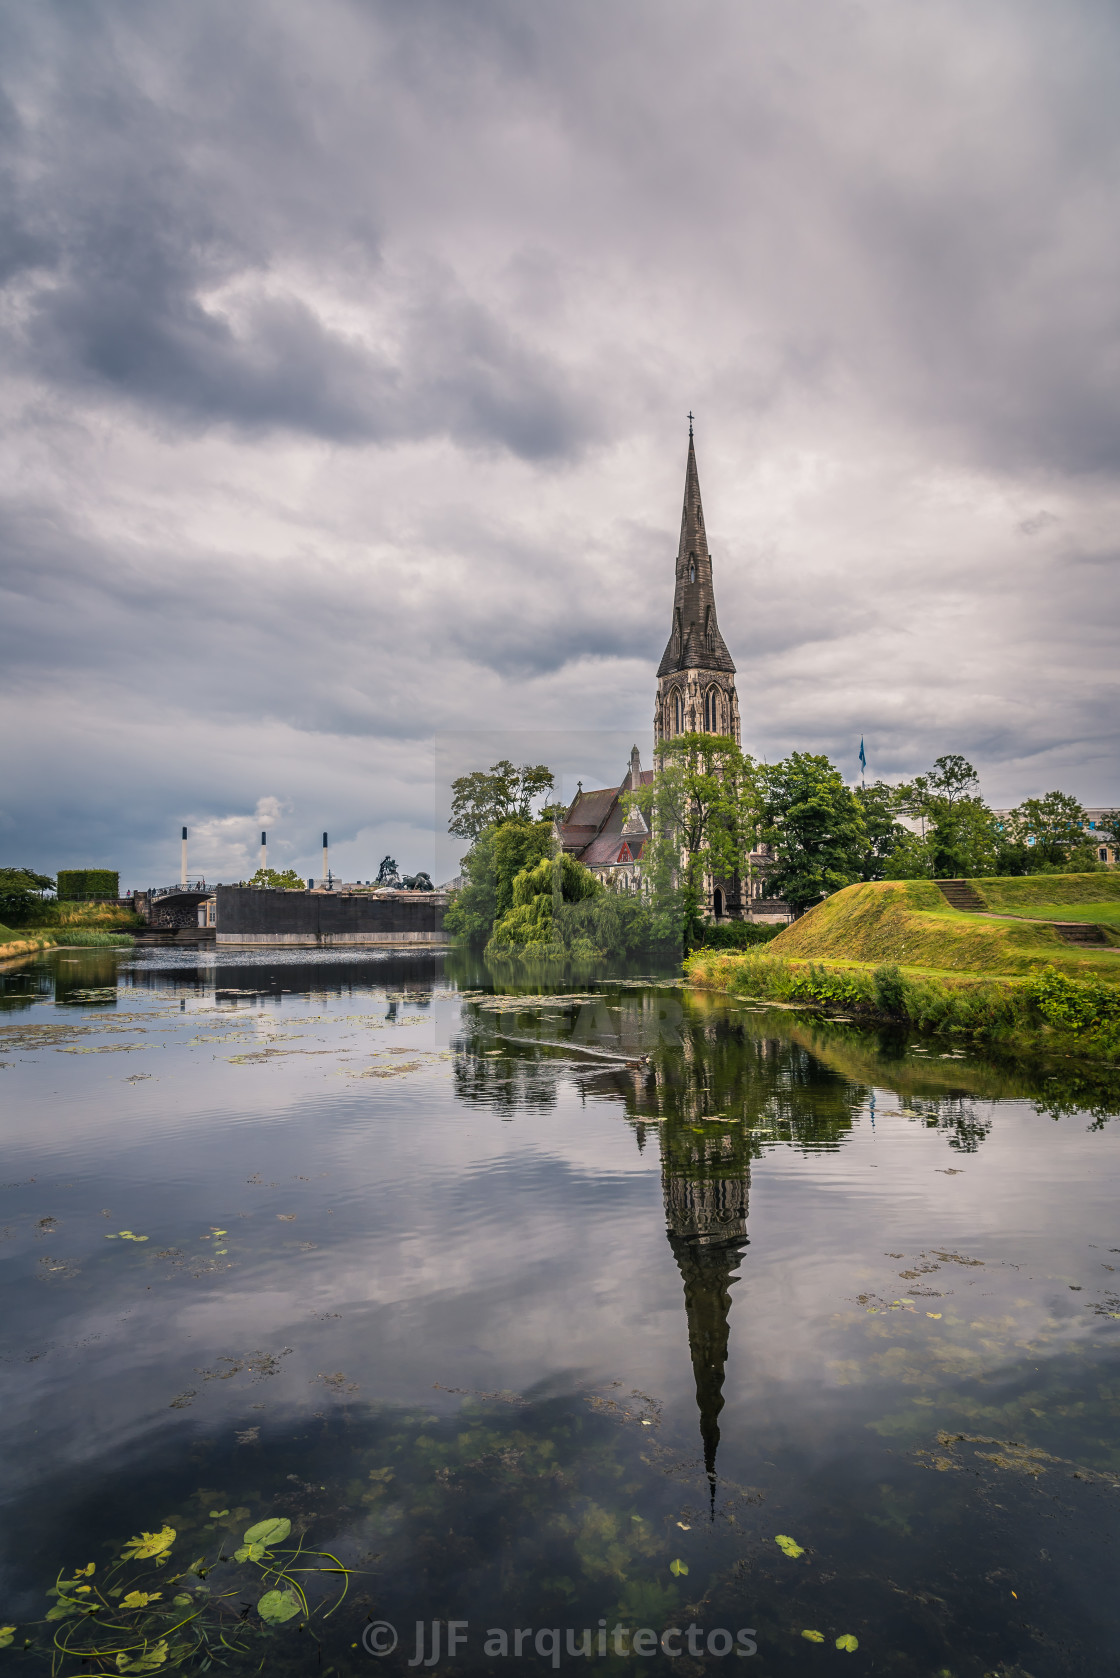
pixel 247 916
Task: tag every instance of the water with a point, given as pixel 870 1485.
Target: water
pixel 546 1313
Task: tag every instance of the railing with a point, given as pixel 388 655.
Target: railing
pixel 171 891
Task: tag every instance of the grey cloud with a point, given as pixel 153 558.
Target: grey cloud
pixel 348 351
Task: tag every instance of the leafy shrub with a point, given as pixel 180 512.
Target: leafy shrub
pixel 734 935
pixel 890 988
pixel 83 885
pixel 21 891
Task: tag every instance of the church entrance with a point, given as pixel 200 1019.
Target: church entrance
pixel 717 903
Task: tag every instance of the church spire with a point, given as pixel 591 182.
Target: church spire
pixel 695 642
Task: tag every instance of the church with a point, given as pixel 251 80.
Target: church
pixel 695 694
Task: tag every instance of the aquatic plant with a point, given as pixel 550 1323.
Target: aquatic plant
pixel 140 1617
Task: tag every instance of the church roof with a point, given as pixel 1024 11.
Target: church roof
pixel 695 642
pixel 600 815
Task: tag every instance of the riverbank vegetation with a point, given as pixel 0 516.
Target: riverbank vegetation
pixel 897 951
pixel 713 814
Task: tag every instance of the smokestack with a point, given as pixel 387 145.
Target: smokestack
pixel 264 850
pixel 326 862
pixel 183 861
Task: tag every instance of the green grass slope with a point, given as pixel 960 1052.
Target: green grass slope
pixel 1048 891
pixel 909 922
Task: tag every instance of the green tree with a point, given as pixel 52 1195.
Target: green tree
pixel 497 855
pixel 487 799
pixel 289 880
pixel 1052 830
pixel 814 828
pixel 960 837
pixel 702 808
pixel 878 805
pixel 538 892
pixel 21 895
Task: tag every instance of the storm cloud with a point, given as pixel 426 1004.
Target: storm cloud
pixel 347 352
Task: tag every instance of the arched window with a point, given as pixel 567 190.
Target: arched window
pixel 692 568
pixel 717 903
pixel 711 711
pixel 678 712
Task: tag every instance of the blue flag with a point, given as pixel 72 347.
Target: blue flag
pixel 862 754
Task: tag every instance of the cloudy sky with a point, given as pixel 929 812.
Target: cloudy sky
pixel 347 349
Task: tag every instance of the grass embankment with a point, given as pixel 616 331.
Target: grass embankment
pixel 1060 892
pixel 896 950
pixel 77 925
pixel 909 922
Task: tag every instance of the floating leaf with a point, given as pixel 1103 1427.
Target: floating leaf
pixel 936 1315
pixel 182 1600
pixel 216 1514
pixel 848 1642
pixel 140 1599
pixel 268 1532
pixel 250 1552
pixel 678 1567
pixel 6 1635
pixel 148 1662
pixel 150 1546
pixel 789 1546
pixel 275 1607
pixel 813 1636
pixel 684 1526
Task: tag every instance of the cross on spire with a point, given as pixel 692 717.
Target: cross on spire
pixel 690 422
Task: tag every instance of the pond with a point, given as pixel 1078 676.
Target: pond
pixel 373 1313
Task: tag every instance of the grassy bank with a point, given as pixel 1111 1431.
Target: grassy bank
pixel 909 922
pixel 1045 1011
pixel 895 950
pixel 23 940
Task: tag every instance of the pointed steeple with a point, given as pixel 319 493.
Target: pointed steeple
pixel 695 642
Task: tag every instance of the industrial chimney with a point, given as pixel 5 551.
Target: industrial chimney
pixel 183 861
pixel 264 850
pixel 326 863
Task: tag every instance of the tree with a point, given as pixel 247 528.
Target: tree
pixel 959 837
pixel 289 880
pixel 878 805
pixel 481 800
pixel 1051 829
pixel 387 874
pixel 538 892
pixel 21 895
pixel 814 828
pixel 496 857
pixel 702 808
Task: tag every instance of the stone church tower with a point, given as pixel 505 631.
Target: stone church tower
pixel 696 677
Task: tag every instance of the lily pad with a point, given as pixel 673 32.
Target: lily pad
pixel 813 1636
pixel 848 1642
pixel 275 1607
pixel 269 1532
pixel 789 1546
pixel 678 1567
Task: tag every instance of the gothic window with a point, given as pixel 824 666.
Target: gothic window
pixel 711 711
pixel 692 568
pixel 678 712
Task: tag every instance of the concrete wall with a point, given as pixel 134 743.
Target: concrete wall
pixel 249 916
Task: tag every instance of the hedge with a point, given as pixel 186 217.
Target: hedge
pixel 85 885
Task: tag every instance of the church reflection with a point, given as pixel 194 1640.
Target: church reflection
pixel 706 1183
pixel 710 1085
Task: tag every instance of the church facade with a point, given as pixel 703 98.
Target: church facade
pixel 695 695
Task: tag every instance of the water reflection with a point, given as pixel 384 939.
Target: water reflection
pixel 901 1340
